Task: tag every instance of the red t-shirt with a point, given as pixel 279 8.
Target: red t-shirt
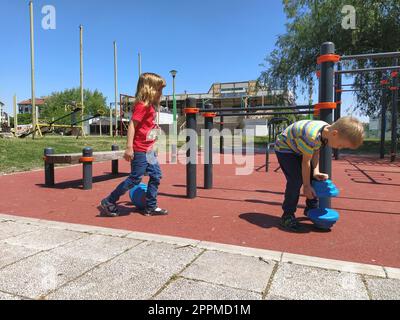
pixel 145 116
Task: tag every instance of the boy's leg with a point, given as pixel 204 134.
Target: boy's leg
pixel 155 175
pixel 311 203
pixel 291 166
pixel 138 168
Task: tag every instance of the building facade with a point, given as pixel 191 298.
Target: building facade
pixel 25 107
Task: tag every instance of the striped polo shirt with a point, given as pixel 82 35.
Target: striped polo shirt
pixel 301 137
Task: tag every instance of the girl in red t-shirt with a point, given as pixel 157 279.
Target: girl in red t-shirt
pixel 142 133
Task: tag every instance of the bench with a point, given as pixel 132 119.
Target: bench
pixel 87 158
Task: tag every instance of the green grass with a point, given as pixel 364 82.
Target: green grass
pixel 27 154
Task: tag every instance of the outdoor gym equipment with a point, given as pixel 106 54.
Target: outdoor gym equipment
pixel 138 195
pixel 324 218
pixel 274 125
pixel 50 126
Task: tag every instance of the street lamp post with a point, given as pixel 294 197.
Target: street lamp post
pixel 175 129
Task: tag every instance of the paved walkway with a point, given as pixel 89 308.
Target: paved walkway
pixel 53 260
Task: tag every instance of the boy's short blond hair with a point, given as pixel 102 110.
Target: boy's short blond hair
pixel 351 129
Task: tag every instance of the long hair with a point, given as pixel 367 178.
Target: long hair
pixel 149 89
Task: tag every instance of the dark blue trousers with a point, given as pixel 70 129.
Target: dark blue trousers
pixel 142 162
pixel 291 166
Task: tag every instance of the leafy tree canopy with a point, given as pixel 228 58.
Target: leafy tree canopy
pixel 292 65
pixel 59 104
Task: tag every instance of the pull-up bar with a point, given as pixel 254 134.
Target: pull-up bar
pixel 371 56
pixel 257 108
pixel 266 113
pixel 368 70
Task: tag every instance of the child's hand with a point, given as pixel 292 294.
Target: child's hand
pixel 309 192
pixel 128 155
pixel 320 176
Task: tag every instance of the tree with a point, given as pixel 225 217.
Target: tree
pixel 59 104
pixel 292 65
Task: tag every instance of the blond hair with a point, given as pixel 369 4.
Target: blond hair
pixel 351 129
pixel 149 89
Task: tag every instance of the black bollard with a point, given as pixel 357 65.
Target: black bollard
pixel 114 163
pixel 221 137
pixel 208 147
pixel 87 161
pixel 48 168
pixel 191 144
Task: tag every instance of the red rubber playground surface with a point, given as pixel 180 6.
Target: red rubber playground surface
pixel 241 210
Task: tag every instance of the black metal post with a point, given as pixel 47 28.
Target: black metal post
pixel 208 149
pixel 221 137
pixel 87 153
pixel 48 169
pixel 191 144
pixel 383 123
pixel 338 98
pixel 326 95
pixel 114 163
pixel 395 113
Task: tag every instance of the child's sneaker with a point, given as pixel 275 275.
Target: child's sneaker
pixel 155 212
pixel 289 222
pixel 109 208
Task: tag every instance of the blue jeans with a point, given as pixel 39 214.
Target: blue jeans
pixel 291 166
pixel 142 162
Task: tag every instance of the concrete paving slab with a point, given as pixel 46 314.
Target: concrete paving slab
pixel 41 273
pixel 331 264
pixel 5 296
pixel 383 289
pixel 233 270
pixel 12 253
pixel 161 238
pixel 10 229
pixel 306 283
pixel 97 248
pixel 185 289
pixel 136 274
pixel 393 273
pixel 252 252
pixel 45 239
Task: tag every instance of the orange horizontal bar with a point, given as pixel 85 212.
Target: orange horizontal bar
pixel 325 105
pixel 394 88
pixel 209 115
pixel 191 110
pixel 86 159
pixel 328 58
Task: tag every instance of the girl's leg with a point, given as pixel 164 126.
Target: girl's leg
pixel 154 171
pixel 138 168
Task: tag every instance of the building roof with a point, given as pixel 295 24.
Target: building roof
pixel 28 102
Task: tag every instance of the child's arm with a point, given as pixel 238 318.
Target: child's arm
pixel 315 162
pixel 306 173
pixel 129 143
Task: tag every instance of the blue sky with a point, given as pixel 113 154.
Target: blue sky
pixel 206 41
